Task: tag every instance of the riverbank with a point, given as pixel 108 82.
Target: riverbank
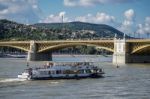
pixel 77 55
pixel 13 55
pixel 56 55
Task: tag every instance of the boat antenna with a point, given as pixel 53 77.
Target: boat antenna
pixel 27 64
pixel 62 17
pixel 124 36
pixel 117 66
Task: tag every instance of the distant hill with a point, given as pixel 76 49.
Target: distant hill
pixel 10 30
pixel 101 30
pixel 53 31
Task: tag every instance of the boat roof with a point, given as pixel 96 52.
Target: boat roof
pixel 65 67
pixel 67 63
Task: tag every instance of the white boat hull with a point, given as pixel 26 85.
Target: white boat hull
pixel 68 77
pixel 62 72
pixel 24 76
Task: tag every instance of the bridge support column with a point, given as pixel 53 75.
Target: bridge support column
pixel 33 55
pixel 119 56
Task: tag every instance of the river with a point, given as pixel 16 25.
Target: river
pixel 130 81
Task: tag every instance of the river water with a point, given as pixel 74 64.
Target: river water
pixel 130 81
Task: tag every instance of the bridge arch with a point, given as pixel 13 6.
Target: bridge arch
pixel 61 46
pixel 141 48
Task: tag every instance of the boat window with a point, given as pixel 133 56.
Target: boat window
pixel 100 70
pixel 95 70
pixel 84 71
pixel 53 72
pixel 67 71
pixel 88 71
pixel 49 72
pixel 43 72
pixel 81 71
pixel 58 72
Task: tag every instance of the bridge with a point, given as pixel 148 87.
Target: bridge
pixel 124 51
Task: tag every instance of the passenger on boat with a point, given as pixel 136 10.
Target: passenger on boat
pixel 30 71
pixel 48 65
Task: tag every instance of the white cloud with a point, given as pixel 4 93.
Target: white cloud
pixel 62 13
pixel 127 24
pixel 104 18
pixel 55 18
pixel 5 11
pixel 77 2
pixel 20 10
pixel 101 18
pixel 147 20
pixel 35 6
pixel 98 18
pixel 144 28
pixel 92 2
pixel 70 3
pixel 129 14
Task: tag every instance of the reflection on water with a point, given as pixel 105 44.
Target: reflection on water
pixel 130 81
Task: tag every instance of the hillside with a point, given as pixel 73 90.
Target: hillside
pixel 100 30
pixel 53 31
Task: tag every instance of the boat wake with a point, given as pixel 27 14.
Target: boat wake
pixel 11 80
pixel 54 82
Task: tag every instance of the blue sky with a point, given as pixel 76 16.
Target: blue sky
pixel 126 15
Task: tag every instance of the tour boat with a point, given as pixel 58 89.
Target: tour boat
pixel 63 71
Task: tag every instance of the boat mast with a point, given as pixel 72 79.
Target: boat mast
pixel 27 64
pixel 116 54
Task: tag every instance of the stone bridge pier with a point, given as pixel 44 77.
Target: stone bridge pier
pixel 34 55
pixel 123 53
pixel 119 55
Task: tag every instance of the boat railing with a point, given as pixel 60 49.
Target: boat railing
pixel 73 64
